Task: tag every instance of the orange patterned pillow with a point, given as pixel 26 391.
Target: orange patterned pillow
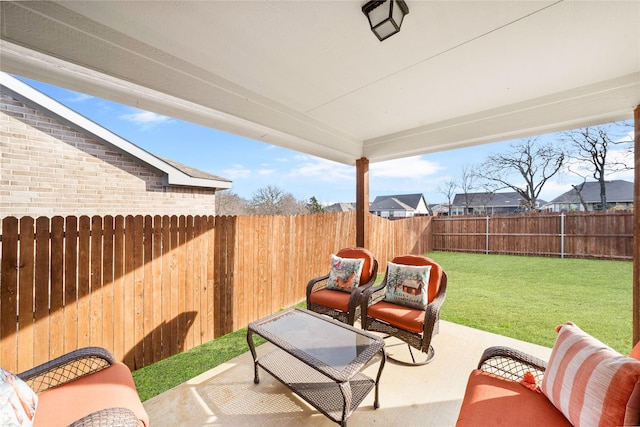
pixel 590 383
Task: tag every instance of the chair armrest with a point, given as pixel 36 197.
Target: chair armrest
pixel 432 315
pixel 68 367
pixel 121 417
pixel 358 293
pixel 511 363
pixel 370 296
pixel 316 284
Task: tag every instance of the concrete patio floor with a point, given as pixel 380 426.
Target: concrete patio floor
pixel 428 395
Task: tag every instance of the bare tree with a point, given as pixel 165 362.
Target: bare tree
pixel 592 146
pixel 536 163
pixel 485 197
pixel 448 188
pixel 578 188
pixel 289 205
pixel 272 200
pixel 228 203
pixel 468 186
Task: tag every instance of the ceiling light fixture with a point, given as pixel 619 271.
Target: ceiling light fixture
pixel 385 16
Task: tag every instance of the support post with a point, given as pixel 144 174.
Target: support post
pixel 636 228
pixel 362 201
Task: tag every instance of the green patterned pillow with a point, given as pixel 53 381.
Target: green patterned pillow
pixel 345 273
pixel 408 285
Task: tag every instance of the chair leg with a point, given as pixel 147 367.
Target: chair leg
pixel 412 359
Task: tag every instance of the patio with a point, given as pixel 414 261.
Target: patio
pixel 429 395
pixel 491 71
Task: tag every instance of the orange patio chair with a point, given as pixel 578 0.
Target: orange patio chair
pixel 406 305
pixel 337 294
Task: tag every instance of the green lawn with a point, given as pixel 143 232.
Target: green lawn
pixel 527 297
pixel 516 296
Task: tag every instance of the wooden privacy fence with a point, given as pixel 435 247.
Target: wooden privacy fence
pixel 605 235
pixel 148 287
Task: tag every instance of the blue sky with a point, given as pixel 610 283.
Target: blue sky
pixel 252 164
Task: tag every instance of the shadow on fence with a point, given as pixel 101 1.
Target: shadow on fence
pixel 149 287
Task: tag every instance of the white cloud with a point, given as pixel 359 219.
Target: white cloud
pixel 145 118
pixel 409 167
pixel 265 172
pixel 237 171
pixel 79 97
pixel 322 170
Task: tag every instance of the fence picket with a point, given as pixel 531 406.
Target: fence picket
pixel 84 316
pixel 56 292
pixel 108 283
pixel 119 277
pixel 70 312
pixel 25 308
pixel 8 294
pixel 96 300
pixel 41 292
pixel 148 294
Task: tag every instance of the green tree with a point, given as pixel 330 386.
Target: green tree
pixel 314 206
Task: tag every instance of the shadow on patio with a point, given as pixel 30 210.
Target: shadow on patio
pixel 429 395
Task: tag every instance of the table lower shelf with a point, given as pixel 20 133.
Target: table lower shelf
pixel 315 388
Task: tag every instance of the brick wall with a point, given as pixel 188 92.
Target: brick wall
pixel 48 168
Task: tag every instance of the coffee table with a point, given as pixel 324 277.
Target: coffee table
pixel 319 359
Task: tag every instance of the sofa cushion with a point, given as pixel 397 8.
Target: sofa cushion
pixel 590 383
pixel 345 273
pixel 407 285
pixel 17 401
pixel 331 298
pixel 107 388
pixel 495 401
pixel 403 317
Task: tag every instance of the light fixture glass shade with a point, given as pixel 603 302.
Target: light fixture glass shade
pixel 385 16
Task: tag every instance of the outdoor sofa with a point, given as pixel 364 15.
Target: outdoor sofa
pixel 86 387
pixel 585 383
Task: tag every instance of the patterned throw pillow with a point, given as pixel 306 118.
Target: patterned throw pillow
pixel 590 383
pixel 407 285
pixel 17 401
pixel 345 273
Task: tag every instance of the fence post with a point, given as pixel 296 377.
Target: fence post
pixel 487 237
pixel 562 235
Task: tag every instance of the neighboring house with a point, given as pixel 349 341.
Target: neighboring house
pixel 489 203
pixel 54 161
pixel 619 196
pixel 439 209
pixel 399 206
pixel 340 207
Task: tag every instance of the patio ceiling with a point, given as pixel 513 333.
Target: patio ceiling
pixel 310 75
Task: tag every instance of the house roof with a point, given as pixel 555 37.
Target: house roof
pixel 617 191
pixel 341 207
pixel 175 173
pixel 403 202
pixel 310 76
pixel 193 172
pixel 506 199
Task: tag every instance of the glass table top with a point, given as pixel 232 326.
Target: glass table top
pixel 332 344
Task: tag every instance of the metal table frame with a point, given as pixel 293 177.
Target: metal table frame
pixel 335 391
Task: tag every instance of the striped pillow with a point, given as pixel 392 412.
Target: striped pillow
pixel 590 383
